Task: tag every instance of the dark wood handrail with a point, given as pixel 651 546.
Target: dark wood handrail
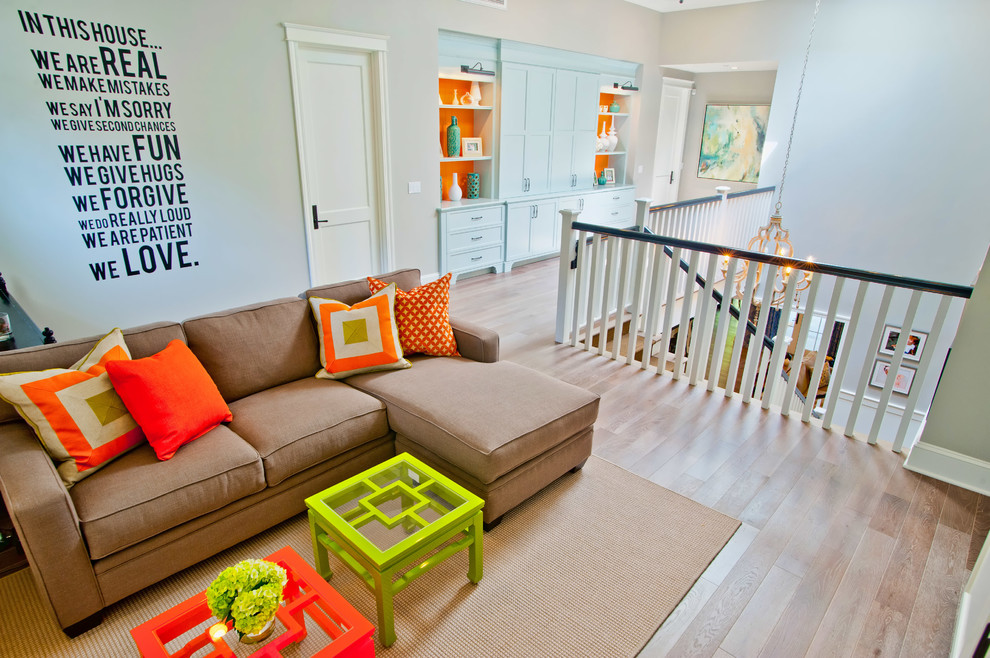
pixel 951 289
pixel 710 199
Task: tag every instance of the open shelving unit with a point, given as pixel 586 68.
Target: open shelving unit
pixel 615 159
pixel 474 121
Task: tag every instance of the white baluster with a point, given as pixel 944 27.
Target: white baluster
pixel 839 369
pixel 799 347
pixel 579 285
pixel 687 305
pixel 637 302
pixel 724 318
pixel 620 311
pixel 596 273
pixel 610 276
pixel 741 328
pixel 702 330
pixel 653 304
pixel 895 365
pixel 780 339
pixel 823 343
pixel 756 343
pixel 864 378
pixel 673 274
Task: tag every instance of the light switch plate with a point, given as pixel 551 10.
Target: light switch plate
pixel 415 187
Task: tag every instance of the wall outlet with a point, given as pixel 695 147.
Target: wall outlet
pixel 639 169
pixel 415 187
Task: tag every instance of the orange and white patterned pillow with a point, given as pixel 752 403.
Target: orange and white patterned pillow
pixel 423 317
pixel 78 416
pixel 359 338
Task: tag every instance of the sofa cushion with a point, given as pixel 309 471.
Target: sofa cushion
pixel 138 496
pixel 306 422
pixel 423 317
pixel 75 412
pixel 358 338
pixel 171 396
pixel 251 348
pixel 351 292
pixel 141 341
pixel 485 418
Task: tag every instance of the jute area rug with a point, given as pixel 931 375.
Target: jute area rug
pixel 591 566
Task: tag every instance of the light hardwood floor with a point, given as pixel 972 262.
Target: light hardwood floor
pixel 842 552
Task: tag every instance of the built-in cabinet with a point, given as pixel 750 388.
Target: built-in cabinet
pixel 540 117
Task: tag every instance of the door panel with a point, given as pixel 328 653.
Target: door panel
pixel 536 164
pixel 539 99
pixel 341 163
pixel 671 130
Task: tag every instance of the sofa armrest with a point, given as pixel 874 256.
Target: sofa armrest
pixel 474 341
pixel 45 519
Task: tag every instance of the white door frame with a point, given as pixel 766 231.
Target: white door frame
pixel 376 47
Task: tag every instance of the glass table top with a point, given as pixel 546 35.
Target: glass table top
pixel 394 501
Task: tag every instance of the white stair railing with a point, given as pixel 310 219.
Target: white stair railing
pixel 729 219
pixel 661 299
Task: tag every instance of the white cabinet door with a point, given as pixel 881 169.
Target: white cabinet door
pixel 526 127
pixel 575 113
pixel 543 229
pixel 517 231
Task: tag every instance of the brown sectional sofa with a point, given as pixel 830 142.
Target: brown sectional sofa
pixel 501 430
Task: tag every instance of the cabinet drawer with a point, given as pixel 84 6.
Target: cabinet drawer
pixel 482 237
pixel 622 217
pixel 466 219
pixel 617 198
pixel 479 258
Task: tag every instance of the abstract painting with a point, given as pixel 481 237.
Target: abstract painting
pixel 732 142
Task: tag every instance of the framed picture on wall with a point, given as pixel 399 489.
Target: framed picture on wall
pixel 470 147
pixel 732 142
pixel 915 342
pixel 905 377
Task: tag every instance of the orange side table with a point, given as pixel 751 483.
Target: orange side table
pixel 306 592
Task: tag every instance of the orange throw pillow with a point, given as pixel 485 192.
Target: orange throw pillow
pixel 171 396
pixel 423 317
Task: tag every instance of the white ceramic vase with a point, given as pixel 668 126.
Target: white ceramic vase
pixel 475 93
pixel 603 138
pixel 613 137
pixel 454 191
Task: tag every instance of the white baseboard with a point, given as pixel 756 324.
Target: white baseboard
pixel 429 278
pixel 950 466
pixel 893 409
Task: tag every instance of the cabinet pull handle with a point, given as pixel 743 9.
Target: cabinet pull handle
pixel 474 219
pixel 615 212
pixel 581 203
pixel 477 258
pixel 616 198
pixel 477 237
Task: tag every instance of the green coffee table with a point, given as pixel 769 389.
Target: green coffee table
pixel 389 517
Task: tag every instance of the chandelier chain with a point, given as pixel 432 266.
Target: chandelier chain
pixel 797 103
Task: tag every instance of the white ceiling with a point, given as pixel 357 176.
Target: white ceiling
pixel 664 6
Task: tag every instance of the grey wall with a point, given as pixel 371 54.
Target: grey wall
pixel 957 420
pixel 735 88
pixel 228 73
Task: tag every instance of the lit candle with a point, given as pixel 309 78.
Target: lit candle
pixel 217 631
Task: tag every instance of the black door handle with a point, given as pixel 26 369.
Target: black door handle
pixel 671 176
pixel 316 219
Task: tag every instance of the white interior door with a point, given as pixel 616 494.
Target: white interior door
pixel 669 160
pixel 341 140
